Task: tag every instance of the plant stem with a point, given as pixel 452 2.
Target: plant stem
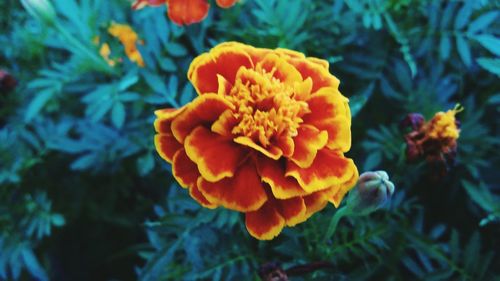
pixel 334 222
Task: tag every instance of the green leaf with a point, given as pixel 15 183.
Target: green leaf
pixel 490 42
pixel 118 114
pixel 490 64
pixel 444 47
pixel 463 15
pixel 463 50
pixel 37 104
pixel 176 50
pixel 145 164
pixel 482 22
pixel 57 220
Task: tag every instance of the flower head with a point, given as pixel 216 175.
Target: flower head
pixel 184 12
pixel 435 140
pixel 266 136
pixel 129 39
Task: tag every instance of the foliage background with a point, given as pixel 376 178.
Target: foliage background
pixel 83 195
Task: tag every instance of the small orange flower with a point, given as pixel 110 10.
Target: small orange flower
pixel 435 140
pixel 266 136
pixel 184 12
pixel 129 40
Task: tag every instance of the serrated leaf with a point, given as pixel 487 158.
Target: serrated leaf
pixel 472 250
pixel 482 22
pixel 490 42
pixel 84 162
pixel 463 15
pixel 463 50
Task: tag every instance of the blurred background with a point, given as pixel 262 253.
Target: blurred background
pixel 84 196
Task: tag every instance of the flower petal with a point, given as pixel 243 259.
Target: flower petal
pixel 328 168
pixel 307 143
pixel 165 117
pixel 280 69
pixel 204 110
pixel 320 76
pixel 166 146
pixel 314 202
pixel 273 173
pixel 321 62
pixel 272 152
pixel 184 170
pixel 293 210
pixel 225 3
pixel 265 223
pixel 185 12
pixel 336 199
pixel 224 60
pixel 243 192
pixel 225 124
pixel 330 112
pixel 195 193
pixel 217 157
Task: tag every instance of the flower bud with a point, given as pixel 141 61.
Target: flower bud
pixel 41 9
pixel 372 191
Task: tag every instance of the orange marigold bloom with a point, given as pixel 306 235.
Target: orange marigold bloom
pixel 129 40
pixel 435 140
pixel 266 136
pixel 184 12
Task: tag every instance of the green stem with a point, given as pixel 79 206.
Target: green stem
pixel 332 227
pixel 99 62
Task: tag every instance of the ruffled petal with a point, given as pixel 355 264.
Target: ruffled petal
pixel 329 168
pixel 272 152
pixel 216 157
pixel 184 170
pixel 204 110
pixel 185 12
pixel 224 125
pixel 330 112
pixel 286 144
pixel 226 3
pixel 342 189
pixel 164 118
pixel 320 62
pixel 244 192
pixel 195 193
pixel 314 202
pixel 166 145
pixel 224 60
pixel 273 173
pixel 280 69
pixel 293 210
pixel 320 76
pixel 265 223
pixel 307 143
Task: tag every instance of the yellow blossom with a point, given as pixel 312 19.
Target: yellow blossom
pixel 129 40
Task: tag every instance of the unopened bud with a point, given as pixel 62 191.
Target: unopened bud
pixel 7 82
pixel 41 9
pixel 372 191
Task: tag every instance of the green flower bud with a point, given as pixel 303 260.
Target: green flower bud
pixel 372 191
pixel 41 9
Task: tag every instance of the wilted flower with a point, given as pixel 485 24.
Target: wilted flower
pixel 436 140
pixel 184 12
pixel 266 136
pixel 129 40
pixel 7 81
pixel 372 191
pixel 41 9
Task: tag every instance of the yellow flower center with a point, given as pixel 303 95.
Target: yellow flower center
pixel 266 107
pixel 443 125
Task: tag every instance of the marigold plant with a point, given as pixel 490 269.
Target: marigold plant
pixel 266 136
pixel 184 12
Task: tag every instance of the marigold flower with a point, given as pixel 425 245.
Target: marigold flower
pixel 129 39
pixel 266 136
pixel 184 12
pixel 435 140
